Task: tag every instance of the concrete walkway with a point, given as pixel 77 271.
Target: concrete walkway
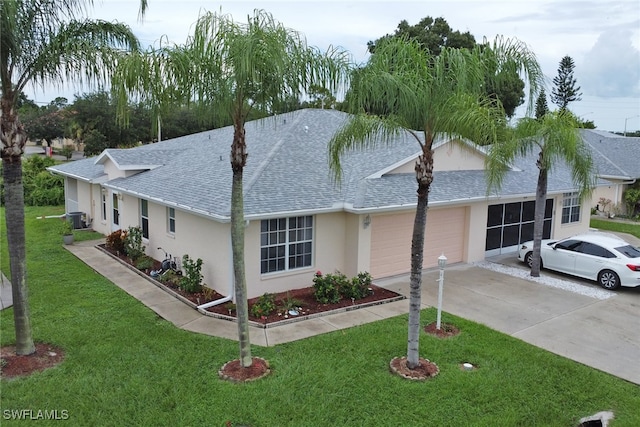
pixel 601 333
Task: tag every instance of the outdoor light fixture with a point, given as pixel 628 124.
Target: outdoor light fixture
pixel 442 261
pixel 366 222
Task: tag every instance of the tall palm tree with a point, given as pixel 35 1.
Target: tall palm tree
pixel 43 42
pixel 403 87
pixel 556 138
pixel 229 70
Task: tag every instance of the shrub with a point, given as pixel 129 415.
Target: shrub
pixel 264 306
pixel 358 287
pixel 327 287
pixel 133 243
pixel 290 303
pixel 191 281
pixel 115 241
pixel 144 263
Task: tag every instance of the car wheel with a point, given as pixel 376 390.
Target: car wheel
pixel 609 280
pixel 528 259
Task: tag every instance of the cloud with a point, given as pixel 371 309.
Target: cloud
pixel 612 67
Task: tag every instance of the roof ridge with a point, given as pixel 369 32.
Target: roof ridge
pixel 271 154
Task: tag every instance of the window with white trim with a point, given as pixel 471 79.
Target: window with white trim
pixel 286 243
pixel 103 205
pixel 570 208
pixel 171 220
pixel 116 212
pixel 144 218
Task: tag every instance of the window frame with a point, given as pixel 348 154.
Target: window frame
pixel 286 245
pixel 571 207
pixel 144 218
pixel 103 205
pixel 171 220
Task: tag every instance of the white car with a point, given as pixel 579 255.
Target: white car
pixel 603 257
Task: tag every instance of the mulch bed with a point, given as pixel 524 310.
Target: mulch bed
pixel 14 366
pixel 305 296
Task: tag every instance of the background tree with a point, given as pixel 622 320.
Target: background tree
pixel 231 70
pixel 439 96
pixel 542 107
pixel 556 139
pixel 47 123
pixel 42 42
pixel 565 90
pixel 436 34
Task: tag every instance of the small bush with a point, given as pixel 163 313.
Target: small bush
pixel 144 263
pixel 115 241
pixel 290 303
pixel 264 306
pixel 191 281
pixel 327 287
pixel 358 287
pixel 133 243
pixel 67 151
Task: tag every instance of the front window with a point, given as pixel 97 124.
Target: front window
pixel 144 218
pixel 171 220
pixel 286 243
pixel 570 208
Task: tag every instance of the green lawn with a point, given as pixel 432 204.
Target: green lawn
pixel 125 366
pixel 622 227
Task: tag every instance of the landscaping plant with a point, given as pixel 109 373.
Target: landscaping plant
pixel 191 281
pixel 116 241
pixel 327 287
pixel 133 243
pixel 264 306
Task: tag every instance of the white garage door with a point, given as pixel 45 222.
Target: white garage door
pixel 391 240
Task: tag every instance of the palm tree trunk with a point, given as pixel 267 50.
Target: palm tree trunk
pixel 538 219
pixel 238 160
pixel 13 140
pixel 424 175
pixel 415 283
pixel 14 219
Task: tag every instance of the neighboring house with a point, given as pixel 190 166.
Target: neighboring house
pixel 617 162
pixel 298 220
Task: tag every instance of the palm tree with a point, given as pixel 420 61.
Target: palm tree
pixel 229 71
pixel 556 138
pixel 439 96
pixel 42 42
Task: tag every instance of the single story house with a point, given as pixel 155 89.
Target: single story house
pixel 298 219
pixel 616 159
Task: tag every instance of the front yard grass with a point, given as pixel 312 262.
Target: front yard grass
pixel 125 365
pixel 619 226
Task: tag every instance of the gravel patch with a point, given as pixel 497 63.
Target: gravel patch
pixel 577 288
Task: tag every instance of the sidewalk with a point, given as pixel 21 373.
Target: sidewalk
pixel 6 297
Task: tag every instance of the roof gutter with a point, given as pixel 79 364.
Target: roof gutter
pixel 198 212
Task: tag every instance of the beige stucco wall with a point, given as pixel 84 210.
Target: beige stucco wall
pixel 454 156
pixel 614 192
pixel 333 250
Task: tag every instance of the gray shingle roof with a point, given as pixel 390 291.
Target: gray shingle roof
pixel 614 155
pixel 287 171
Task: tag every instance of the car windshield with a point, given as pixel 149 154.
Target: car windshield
pixel 629 251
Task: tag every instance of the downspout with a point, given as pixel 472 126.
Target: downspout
pixel 229 294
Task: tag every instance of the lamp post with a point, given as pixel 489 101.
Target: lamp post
pixel 442 261
pixel 625 123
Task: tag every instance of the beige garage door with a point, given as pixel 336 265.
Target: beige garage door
pixel 391 240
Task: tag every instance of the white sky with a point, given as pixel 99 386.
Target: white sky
pixel 602 37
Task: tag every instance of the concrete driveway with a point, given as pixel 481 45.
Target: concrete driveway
pixel 601 331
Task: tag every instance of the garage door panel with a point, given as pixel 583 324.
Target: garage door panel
pixel 391 240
